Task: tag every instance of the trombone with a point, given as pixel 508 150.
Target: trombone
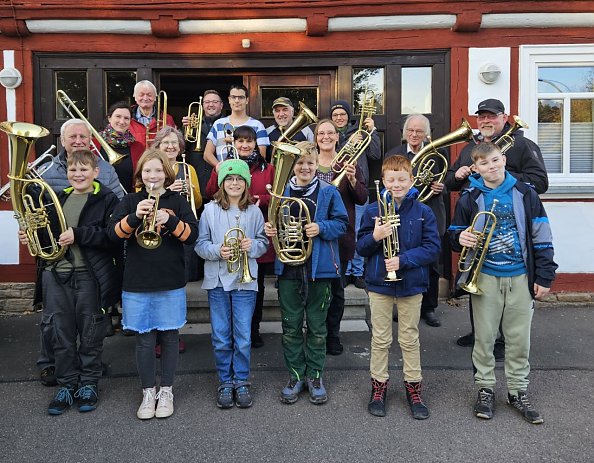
pixel 147 235
pixel 194 128
pixel 387 214
pixel 161 118
pixel 238 260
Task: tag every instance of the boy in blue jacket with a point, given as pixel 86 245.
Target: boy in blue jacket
pixel 518 267
pixel 419 245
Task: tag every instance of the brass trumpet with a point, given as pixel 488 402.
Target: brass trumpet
pixel 506 141
pixel 194 128
pixel 475 263
pixel 161 118
pixel 147 235
pixel 239 259
pixel 387 214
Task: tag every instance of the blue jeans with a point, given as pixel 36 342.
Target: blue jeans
pixel 355 265
pixel 231 319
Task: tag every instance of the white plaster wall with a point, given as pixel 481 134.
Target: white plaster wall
pixel 573 229
pixel 9 242
pixel 477 89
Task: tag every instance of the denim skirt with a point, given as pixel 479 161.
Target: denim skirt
pixel 159 310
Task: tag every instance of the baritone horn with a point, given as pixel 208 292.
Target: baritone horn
pixel 147 235
pixel 238 260
pixel 194 128
pixel 506 141
pixel 36 206
pixel 387 214
pixel 288 215
pixel 426 161
pixel 483 236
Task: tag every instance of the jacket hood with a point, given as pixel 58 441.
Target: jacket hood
pixel 477 181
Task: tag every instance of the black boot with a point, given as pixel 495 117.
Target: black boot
pixel 377 402
pixel 413 395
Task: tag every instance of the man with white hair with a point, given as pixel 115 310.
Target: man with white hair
pixel 144 113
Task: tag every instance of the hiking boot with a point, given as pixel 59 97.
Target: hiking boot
pixel 243 397
pixel 257 340
pixel 317 391
pixel 146 411
pixel 165 402
pixel 521 403
pixel 484 403
pixel 225 397
pixel 377 402
pixel 87 397
pixel 415 401
pixel 48 376
pixel 430 318
pixel 466 341
pixel 62 401
pixel 290 392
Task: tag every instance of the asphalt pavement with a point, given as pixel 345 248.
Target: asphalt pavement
pixel 562 381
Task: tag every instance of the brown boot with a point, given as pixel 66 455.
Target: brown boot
pixel 413 395
pixel 377 402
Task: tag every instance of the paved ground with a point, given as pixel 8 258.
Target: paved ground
pixel 340 431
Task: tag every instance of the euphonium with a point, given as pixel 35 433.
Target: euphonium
pixel 354 148
pixel 113 157
pixel 194 128
pixel 161 118
pixel 238 260
pixel 387 214
pixel 187 191
pixel 147 235
pixel 288 215
pixel 304 118
pixel 36 206
pixel 475 263
pixel 506 141
pixel 425 160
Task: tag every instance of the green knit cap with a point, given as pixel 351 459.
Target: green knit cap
pixel 235 167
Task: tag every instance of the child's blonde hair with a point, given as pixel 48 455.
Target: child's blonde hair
pixel 149 155
pixel 397 163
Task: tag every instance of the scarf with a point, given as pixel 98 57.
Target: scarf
pixel 304 190
pixel 254 159
pixel 117 139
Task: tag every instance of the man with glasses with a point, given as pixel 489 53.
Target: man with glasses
pixel 523 160
pixel 283 111
pixel 416 130
pixel 219 135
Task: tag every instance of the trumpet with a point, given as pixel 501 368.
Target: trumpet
pixel 113 157
pixel 475 263
pixel 238 260
pixel 506 141
pixel 355 147
pixel 147 235
pixel 194 128
pixel 387 214
pixel 187 191
pixel 32 171
pixel 161 118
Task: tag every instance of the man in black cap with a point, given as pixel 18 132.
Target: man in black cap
pixel 523 160
pixel 283 111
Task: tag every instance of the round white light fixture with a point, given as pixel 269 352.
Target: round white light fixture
pixel 489 73
pixel 10 78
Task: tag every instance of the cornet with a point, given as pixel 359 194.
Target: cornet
pixel 147 235
pixel 238 258
pixel 387 214
pixel 194 128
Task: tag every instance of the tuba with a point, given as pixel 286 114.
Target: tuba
pixel 194 128
pixel 386 210
pixel 304 118
pixel 475 263
pixel 288 215
pixel 506 141
pixel 184 174
pixel 161 118
pixel 147 236
pixel 113 157
pixel 354 148
pixel 36 206
pixel 238 259
pixel 424 161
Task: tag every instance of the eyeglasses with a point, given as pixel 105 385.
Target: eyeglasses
pixel 169 143
pixel 323 134
pixel 234 178
pixel 488 117
pixel 237 97
pixel 211 102
pixel 339 115
pixel 416 132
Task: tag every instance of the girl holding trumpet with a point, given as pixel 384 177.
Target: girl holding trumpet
pixel 154 295
pixel 231 236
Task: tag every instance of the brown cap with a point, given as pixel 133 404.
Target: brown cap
pixel 282 101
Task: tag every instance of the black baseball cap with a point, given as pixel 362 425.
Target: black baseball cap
pixel 492 105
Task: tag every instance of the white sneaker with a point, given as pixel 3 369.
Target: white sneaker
pixel 147 408
pixel 165 405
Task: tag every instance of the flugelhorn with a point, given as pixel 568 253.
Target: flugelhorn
pixel 238 260
pixel 36 206
pixel 193 132
pixel 288 215
pixel 386 210
pixel 113 157
pixel 160 117
pixel 506 141
pixel 147 234
pixel 425 161
pixel 483 236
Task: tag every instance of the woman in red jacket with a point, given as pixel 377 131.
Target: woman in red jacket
pixel 262 174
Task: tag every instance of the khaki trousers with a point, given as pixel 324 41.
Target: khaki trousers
pixel 409 312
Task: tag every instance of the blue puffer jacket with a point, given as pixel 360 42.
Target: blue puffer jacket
pixel 331 217
pixel 419 247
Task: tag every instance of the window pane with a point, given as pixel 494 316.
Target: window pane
pixel 119 86
pixel 309 96
pixel 550 134
pixel 416 90
pixel 371 79
pixel 566 79
pixel 74 84
pixel 582 137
